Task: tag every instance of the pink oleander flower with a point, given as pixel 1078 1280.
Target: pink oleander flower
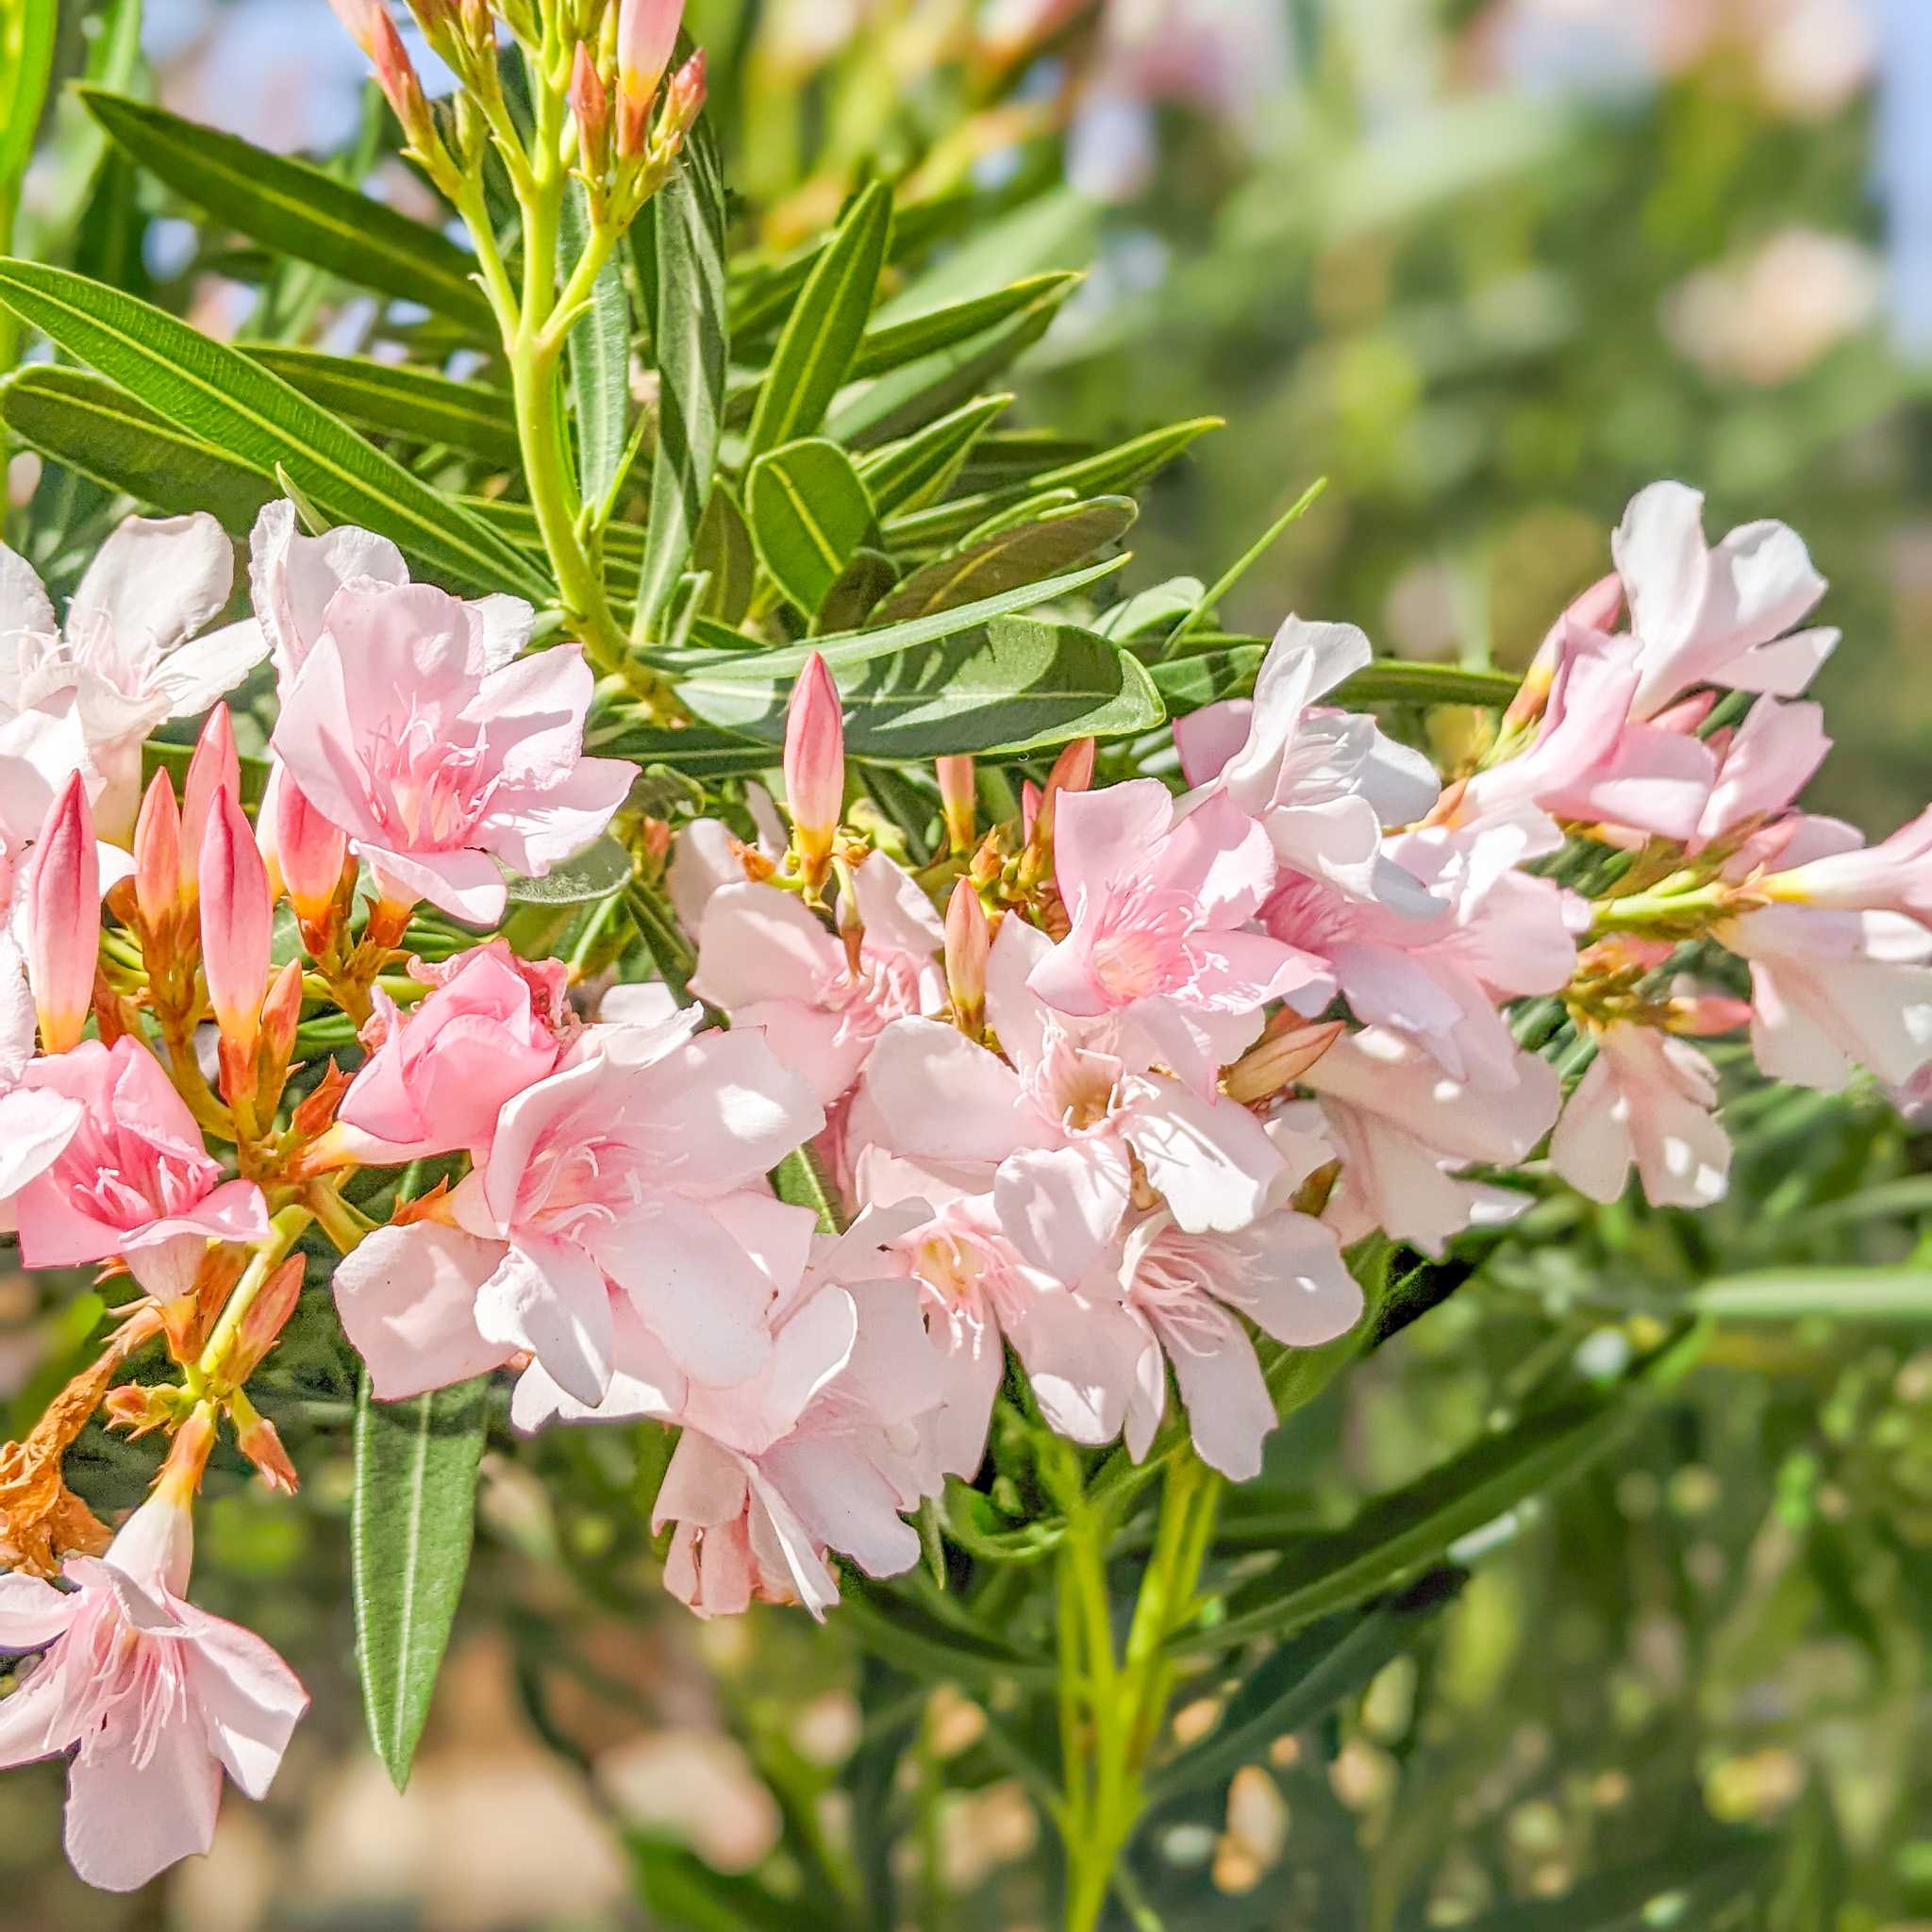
pixel 437 756
pixel 1893 876
pixel 1647 1100
pixel 1054 1137
pixel 1590 760
pixel 621 1226
pixel 1160 904
pixel 132 1179
pixel 1438 978
pixel 1323 783
pixel 440 1076
pixel 823 1449
pixel 129 655
pixel 1763 767
pixel 770 964
pixel 1079 1344
pixel 155 1698
pixel 1720 616
pixel 1833 987
pixel 1187 1291
pixel 1406 1131
pixel 707 855
pixel 64 919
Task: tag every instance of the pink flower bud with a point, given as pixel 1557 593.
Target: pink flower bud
pixel 237 920
pixel 396 76
pixel 647 39
pixel 281 1014
pixel 258 1441
pixel 1030 796
pixel 1282 1057
pixel 1072 771
pixel 64 919
pixel 684 100
pixel 268 1315
pixel 814 766
pixel 309 852
pixel 216 764
pixel 959 799
pixel 157 886
pixel 968 941
pixel 358 16
pixel 590 101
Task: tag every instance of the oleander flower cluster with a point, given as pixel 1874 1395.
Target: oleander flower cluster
pixel 1102 1106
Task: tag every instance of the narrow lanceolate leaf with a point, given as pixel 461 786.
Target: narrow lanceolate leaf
pixel 1306 1678
pixel 910 474
pixel 808 514
pixel 1697 1887
pixel 855 596
pixel 599 352
pixel 218 394
pixel 27 33
pixel 1842 1294
pixel 1391 683
pixel 1207 676
pixel 1014 685
pixel 93 425
pixel 816 350
pixel 296 210
pixel 696 752
pixel 413 405
pixel 413 1514
pixel 1401 1532
pixel 800 1180
pixel 916 336
pixel 1010 558
pixel 592 875
pixel 678 247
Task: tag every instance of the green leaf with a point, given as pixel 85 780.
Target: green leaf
pixel 923 467
pixel 297 209
pixel 1839 1294
pixel 599 351
pixel 1011 557
pixel 725 553
pixel 816 350
pixel 1400 1533
pixel 678 247
pixel 592 875
pixel 698 751
pixel 158 755
pixel 1305 1680
pixel 1684 1891
pixel 413 404
pixel 1011 685
pixel 808 514
pixel 1226 584
pixel 1389 682
pixel 929 1646
pixel 218 394
pixel 800 1181
pixel 28 29
pixel 683 1895
pixel 1125 467
pixel 412 1516
pixel 851 602
pixel 916 335
pixel 95 426
pixel 1206 678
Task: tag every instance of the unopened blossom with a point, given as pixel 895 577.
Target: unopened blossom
pixel 770 963
pixel 64 918
pixel 1723 615
pixel 1160 904
pixel 132 1179
pixel 1440 977
pixel 1056 1131
pixel 440 761
pixel 1322 782
pixel 1647 1101
pixel 1406 1131
pixel 823 1449
pixel 623 1196
pixel 134 651
pixel 155 1698
pixel 1284 1273
pixel 441 1074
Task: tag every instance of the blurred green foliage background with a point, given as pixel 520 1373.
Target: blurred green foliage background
pixel 1489 266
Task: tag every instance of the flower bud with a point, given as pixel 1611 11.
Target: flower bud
pixel 590 102
pixel 258 1441
pixel 63 903
pixel 215 764
pixel 646 37
pixel 358 16
pixel 281 1014
pixel 1280 1059
pixel 684 101
pixel 814 766
pixel 959 800
pixel 237 922
pixel 262 1326
pixel 309 852
pixel 395 73
pixel 158 886
pixel 1030 796
pixel 140 1408
pixel 968 941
